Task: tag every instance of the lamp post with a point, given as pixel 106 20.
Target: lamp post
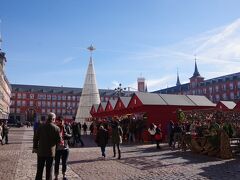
pixel 119 90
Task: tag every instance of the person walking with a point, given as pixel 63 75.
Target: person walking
pixel 1 131
pixel 85 129
pixel 62 149
pixel 44 144
pixel 91 128
pixel 5 132
pixel 102 139
pixel 152 132
pixel 158 136
pixel 76 127
pixel 116 137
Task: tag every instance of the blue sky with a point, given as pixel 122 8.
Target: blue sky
pixel 45 40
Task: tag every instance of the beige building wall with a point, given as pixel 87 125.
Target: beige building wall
pixel 5 90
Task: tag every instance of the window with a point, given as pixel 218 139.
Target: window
pixel 193 92
pixel 23 103
pixel 31 96
pixel 63 98
pixel 216 88
pixel 224 96
pixel 39 103
pixel 48 97
pixel 12 110
pixel 224 87
pixel 193 84
pixel 24 95
pixel 238 84
pixel 231 95
pixel 19 96
pixel 68 104
pixel 54 97
pixel 59 97
pixel 18 103
pixel 73 104
pixel 43 111
pixel 231 86
pixel 200 91
pixel 210 89
pixel 63 111
pixel 42 96
pixel 31 103
pixel 43 103
pixel 69 98
pixel 48 104
pixel 48 110
pixel 204 90
pixel 18 110
pixel 53 104
pixel 63 104
pixel 217 97
pixel 78 98
pixel 58 111
pixel 73 98
pixel 58 104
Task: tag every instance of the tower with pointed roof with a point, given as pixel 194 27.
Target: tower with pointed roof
pixel 178 84
pixel 178 80
pixel 90 93
pixel 196 79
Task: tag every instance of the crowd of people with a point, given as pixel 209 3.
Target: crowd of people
pixel 205 131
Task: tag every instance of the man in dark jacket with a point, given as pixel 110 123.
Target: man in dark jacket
pixel 44 143
pixel 116 137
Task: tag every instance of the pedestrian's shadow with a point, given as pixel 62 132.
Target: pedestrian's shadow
pixel 88 161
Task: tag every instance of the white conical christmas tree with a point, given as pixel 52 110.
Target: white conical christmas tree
pixel 90 93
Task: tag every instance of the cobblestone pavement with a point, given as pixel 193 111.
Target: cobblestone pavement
pixel 138 162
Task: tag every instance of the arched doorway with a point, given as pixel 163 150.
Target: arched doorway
pixel 31 115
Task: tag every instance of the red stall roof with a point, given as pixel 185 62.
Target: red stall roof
pixel 226 105
pixel 94 108
pixel 102 107
pixel 140 98
pixel 110 105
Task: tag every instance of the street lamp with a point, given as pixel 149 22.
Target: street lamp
pixel 119 90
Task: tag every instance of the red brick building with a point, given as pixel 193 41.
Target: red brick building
pixel 29 102
pixel 225 88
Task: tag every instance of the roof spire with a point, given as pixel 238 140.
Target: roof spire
pixel 178 81
pixel 196 73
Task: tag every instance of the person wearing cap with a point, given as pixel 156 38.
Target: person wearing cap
pixel 44 144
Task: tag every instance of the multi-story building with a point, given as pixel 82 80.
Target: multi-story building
pixel 5 89
pixel 216 89
pixel 29 102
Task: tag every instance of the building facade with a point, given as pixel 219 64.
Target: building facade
pixel 225 88
pixel 30 102
pixel 5 89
